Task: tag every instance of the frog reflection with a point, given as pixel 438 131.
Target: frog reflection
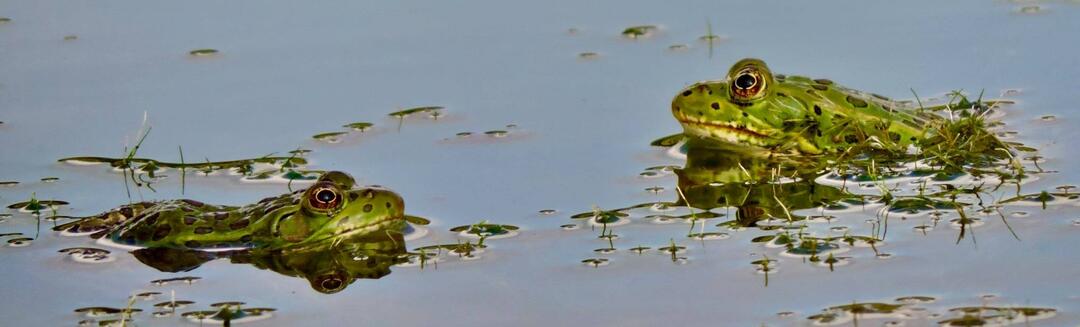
pixel 757 187
pixel 330 266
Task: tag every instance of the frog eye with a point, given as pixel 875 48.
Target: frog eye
pixel 324 197
pixel 745 81
pixel 747 85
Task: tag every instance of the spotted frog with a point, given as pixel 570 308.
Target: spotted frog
pixel 331 209
pixel 753 108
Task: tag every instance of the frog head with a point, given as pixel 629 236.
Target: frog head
pixel 332 209
pixel 738 109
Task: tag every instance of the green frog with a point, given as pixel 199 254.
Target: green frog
pixel 331 209
pixel 753 108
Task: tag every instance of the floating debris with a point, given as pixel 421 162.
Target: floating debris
pixel 596 262
pixel 98 312
pixel 547 212
pixel 172 305
pixel 5 20
pixel 35 205
pixel 19 242
pixel 588 55
pixel 496 133
pixel 49 179
pixel 330 137
pixel 8 183
pixel 359 126
pixel 575 226
pixel 605 250
pixel 640 31
pixel 915 299
pixel 463 134
pixel 1030 10
pixel 88 255
pixel 147 296
pixel 709 236
pixel 678 47
pixel 203 52
pixel 186 280
pixel 402 114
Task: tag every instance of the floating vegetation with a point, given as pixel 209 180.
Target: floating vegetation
pixel 166 281
pixel 203 52
pixel 99 312
pixel 709 236
pixel 640 31
pixel 174 304
pixel 228 314
pixel 330 137
pixel 35 206
pixel 575 226
pixel 596 262
pixel 49 179
pixel 266 168
pixel 8 183
pixel 88 255
pixel 433 112
pixel 71 37
pixel 485 230
pixel 4 20
pixel 496 133
pixel 547 212
pixel 1029 10
pixel 359 126
pixel 678 47
pixel 906 308
pixel 588 55
pixel 19 242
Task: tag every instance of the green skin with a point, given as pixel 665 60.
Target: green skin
pixel 715 178
pixel 752 108
pixel 289 221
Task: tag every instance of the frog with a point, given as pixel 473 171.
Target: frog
pixel 754 109
pixel 333 208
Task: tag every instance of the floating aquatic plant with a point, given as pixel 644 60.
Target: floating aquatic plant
pixel 203 52
pixel 639 31
pixel 359 126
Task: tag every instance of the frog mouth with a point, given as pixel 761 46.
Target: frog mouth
pixel 373 226
pixel 728 131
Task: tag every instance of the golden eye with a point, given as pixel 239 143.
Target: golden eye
pixel 747 85
pixel 324 197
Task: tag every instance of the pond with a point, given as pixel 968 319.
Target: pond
pixel 517 137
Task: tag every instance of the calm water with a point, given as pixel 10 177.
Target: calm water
pixel 288 70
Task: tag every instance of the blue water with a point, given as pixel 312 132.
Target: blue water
pixel 288 70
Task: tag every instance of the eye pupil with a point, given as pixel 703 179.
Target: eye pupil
pixel 745 81
pixel 325 196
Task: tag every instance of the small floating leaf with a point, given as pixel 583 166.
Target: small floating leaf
pixel 331 137
pixel 635 32
pixel 410 111
pixel 359 126
pixel 203 52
